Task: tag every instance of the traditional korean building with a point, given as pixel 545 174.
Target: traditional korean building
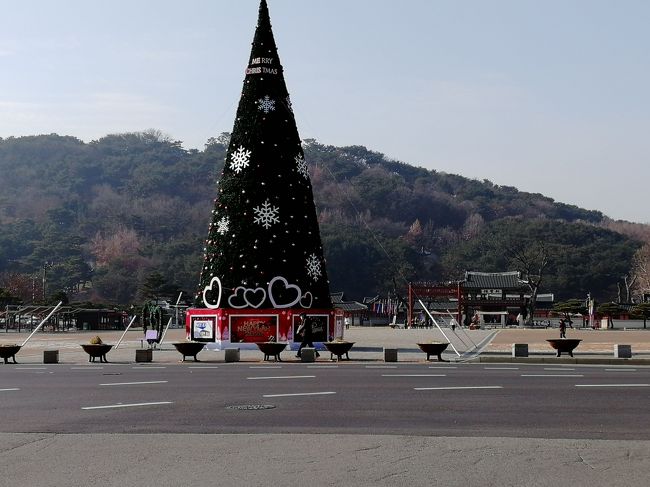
pixel 493 296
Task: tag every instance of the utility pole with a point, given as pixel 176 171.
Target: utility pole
pixel 46 266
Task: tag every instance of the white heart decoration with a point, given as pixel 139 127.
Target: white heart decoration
pixel 311 300
pixel 286 286
pixel 209 288
pixel 239 289
pixel 252 299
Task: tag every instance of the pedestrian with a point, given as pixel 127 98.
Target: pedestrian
pixel 562 329
pixel 305 330
pixel 347 322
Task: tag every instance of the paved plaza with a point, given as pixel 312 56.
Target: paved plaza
pixel 369 344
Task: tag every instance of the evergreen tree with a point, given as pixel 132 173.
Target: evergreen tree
pixel 264 244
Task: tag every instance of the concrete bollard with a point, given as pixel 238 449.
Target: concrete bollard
pixel 390 354
pixel 143 355
pixel 623 351
pixel 232 355
pixel 50 356
pixel 520 350
pixel 308 355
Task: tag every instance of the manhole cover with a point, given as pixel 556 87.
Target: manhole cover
pixel 251 407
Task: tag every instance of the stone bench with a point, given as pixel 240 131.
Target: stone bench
pixel 231 355
pixel 520 350
pixel 50 356
pixel 390 354
pixel 623 351
pixel 308 355
pixel 144 355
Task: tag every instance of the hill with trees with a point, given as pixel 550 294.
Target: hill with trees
pixel 96 220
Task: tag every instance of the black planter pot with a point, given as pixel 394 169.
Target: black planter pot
pixel 567 345
pixel 189 349
pixel 271 349
pixel 339 349
pixel 434 348
pixel 95 350
pixel 9 352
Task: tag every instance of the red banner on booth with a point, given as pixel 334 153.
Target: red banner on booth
pixel 250 329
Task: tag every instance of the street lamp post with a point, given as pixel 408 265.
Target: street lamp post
pixel 46 266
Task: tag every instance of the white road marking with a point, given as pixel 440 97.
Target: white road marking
pixel 442 367
pixel 381 366
pixel 134 383
pixel 413 375
pixel 612 385
pixel 30 368
pixel 142 367
pixel 299 394
pixel 128 405
pixel 284 377
pixel 500 368
pixel 265 367
pixel 87 367
pixel 557 368
pixel 12 389
pixel 620 370
pixel 322 366
pixel 455 388
pixel 203 367
pixel 552 375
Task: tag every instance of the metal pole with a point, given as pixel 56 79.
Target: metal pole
pixel 44 271
pixel 127 329
pixel 176 306
pixel 42 322
pixel 165 332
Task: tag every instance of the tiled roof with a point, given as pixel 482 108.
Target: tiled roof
pixel 351 306
pixel 493 280
pixel 337 297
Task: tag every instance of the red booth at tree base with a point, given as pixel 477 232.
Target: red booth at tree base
pixel 223 328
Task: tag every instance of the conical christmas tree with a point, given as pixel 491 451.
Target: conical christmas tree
pixel 263 248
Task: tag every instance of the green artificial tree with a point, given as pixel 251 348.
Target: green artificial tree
pixel 641 310
pixel 569 307
pixel 264 248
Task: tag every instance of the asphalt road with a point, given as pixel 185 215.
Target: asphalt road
pixel 423 399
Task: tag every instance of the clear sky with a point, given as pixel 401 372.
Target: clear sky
pixel 549 96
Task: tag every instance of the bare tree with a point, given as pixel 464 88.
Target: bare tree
pixel 641 270
pixel 532 262
pixel 629 285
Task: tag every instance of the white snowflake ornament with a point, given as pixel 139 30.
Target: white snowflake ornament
pixel 301 166
pixel 266 104
pixel 266 215
pixel 240 159
pixel 313 267
pixel 223 225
